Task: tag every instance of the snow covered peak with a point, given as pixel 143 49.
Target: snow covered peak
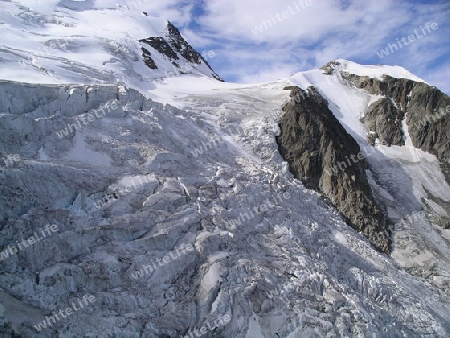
pixel 91 42
pixel 372 71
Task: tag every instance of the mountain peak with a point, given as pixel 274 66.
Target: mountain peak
pixel 372 71
pixel 175 49
pixel 56 44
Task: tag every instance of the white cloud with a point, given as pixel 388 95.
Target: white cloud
pixel 235 19
pixel 315 34
pixel 439 77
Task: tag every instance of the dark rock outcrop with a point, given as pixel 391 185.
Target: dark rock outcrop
pixel 383 121
pixel 148 59
pixel 397 89
pixel 326 158
pixel 162 46
pixel 428 120
pixel 427 111
pixel 329 67
pixel 173 46
pixel 181 46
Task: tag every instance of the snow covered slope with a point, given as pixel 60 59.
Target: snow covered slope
pixel 89 42
pixel 268 256
pixel 172 205
pixel 374 71
pixel 406 180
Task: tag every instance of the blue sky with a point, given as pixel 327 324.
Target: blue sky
pixel 254 41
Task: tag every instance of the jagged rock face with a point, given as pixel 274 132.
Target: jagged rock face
pixel 397 89
pixel 173 46
pixel 384 122
pixel 181 46
pixel 428 120
pixel 427 115
pixel 148 59
pixel 324 157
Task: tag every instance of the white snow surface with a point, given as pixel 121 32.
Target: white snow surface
pixel 82 42
pixel 375 71
pixel 206 159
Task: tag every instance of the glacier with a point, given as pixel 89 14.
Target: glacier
pixel 291 268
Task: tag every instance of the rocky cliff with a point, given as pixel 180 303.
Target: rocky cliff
pixel 426 108
pixel 174 47
pixel 326 158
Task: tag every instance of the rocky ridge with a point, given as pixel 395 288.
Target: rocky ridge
pixel 324 156
pixel 426 108
pixel 173 47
